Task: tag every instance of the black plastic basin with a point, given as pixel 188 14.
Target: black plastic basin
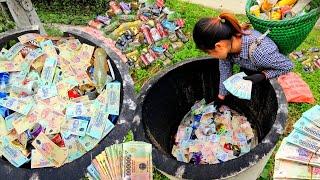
pixel 166 98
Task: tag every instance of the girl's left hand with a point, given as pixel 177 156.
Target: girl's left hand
pixel 255 78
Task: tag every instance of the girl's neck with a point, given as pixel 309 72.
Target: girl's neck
pixel 236 44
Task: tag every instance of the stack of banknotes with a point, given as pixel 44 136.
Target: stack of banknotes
pixel 58 100
pixel 131 160
pixel 299 154
pixel 239 87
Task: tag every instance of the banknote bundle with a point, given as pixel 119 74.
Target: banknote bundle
pixel 208 135
pixel 239 87
pixel 130 160
pixel 298 156
pixel 58 100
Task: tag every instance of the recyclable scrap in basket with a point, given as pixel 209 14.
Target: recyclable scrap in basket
pixel 281 9
pixel 130 160
pixel 208 135
pixel 59 99
pixel 310 59
pixel 143 31
pixel 298 156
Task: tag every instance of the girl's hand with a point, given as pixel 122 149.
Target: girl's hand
pixel 255 78
pixel 221 97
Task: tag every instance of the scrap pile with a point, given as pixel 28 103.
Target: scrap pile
pixel 280 9
pixel 56 97
pixel 310 59
pixel 131 160
pixel 209 136
pixel 143 31
pixel 298 156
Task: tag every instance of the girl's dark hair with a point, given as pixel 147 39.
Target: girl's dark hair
pixel 208 31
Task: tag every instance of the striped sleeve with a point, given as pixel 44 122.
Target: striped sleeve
pixel 225 68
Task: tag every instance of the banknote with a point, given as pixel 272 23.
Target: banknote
pixel 302 140
pixel 297 154
pixel 38 160
pixel 81 75
pixel 97 125
pixel 93 172
pixel 12 154
pixel 313 115
pixel 75 149
pixel 131 160
pixel 14 50
pixel 84 55
pixel 48 70
pixel 18 59
pixel 239 87
pixel 25 66
pixel 50 119
pixel 99 169
pixel 16 104
pixel 57 103
pixel 3 128
pixel 9 119
pixel 65 85
pixel 49 150
pixel 74 44
pixel 306 126
pixel 28 37
pixel 3 53
pixel 104 165
pixel 47 91
pixel 76 109
pixel 290 170
pixel 75 126
pixel 27 122
pixel 108 127
pixel 48 48
pixel 137 162
pixel 113 99
pixel 9 66
pixel 88 142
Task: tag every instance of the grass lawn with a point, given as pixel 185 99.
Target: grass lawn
pixel 191 13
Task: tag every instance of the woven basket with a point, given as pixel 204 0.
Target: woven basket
pixel 287 34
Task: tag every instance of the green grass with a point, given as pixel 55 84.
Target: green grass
pixel 191 13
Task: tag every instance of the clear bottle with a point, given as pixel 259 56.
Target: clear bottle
pixel 100 68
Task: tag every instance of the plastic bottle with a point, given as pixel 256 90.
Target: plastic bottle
pixel 100 68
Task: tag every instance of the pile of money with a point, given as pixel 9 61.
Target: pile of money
pixel 131 160
pixel 208 135
pixel 56 98
pixel 239 87
pixel 144 31
pixel 299 154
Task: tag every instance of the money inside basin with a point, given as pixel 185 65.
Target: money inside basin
pixel 80 160
pixel 165 99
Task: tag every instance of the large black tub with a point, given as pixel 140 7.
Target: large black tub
pixel 165 99
pixel 76 169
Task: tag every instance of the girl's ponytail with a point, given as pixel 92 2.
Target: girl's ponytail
pixel 208 31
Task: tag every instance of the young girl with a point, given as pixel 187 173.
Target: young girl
pixel 223 38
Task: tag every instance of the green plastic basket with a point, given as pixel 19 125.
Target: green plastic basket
pixel 287 34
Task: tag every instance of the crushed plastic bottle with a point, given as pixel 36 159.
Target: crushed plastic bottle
pixel 100 68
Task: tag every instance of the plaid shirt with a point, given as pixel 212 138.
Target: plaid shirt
pixel 266 58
